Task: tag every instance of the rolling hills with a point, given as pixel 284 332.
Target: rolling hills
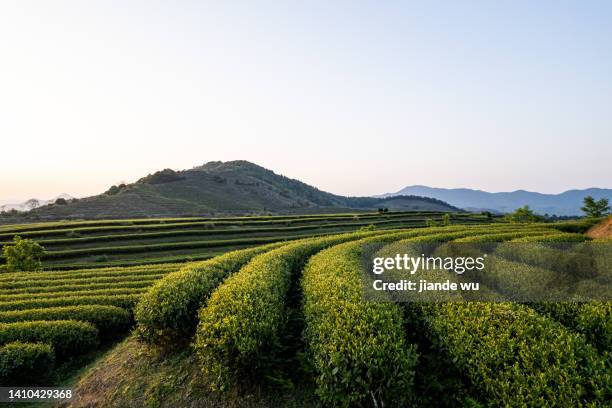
pixel 567 203
pixel 217 189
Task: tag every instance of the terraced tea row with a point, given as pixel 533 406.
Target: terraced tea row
pixel 47 318
pixel 244 320
pixel 73 245
pixel 257 310
pixel 163 223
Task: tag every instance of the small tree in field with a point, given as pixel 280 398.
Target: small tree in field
pixel 595 208
pixel 446 219
pixel 524 214
pixel 23 255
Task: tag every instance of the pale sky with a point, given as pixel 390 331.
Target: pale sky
pixel 356 98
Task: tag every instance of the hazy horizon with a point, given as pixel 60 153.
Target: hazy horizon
pixel 354 99
pixel 23 199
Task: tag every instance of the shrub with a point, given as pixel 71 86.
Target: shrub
pixel 578 227
pixel 25 363
pixel 67 337
pixel 167 314
pixel 109 320
pixel 513 355
pixel 23 255
pixel 124 301
pixel 357 347
pixel 75 292
pixel 240 325
pixel 108 280
pixel 593 320
pixel 553 237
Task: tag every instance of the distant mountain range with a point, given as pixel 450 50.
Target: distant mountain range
pixel 218 188
pixel 567 203
pixel 31 204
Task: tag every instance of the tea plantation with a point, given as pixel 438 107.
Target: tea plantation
pixel 279 318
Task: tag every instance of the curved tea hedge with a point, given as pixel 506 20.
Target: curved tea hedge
pixel 515 356
pixel 67 337
pixel 243 308
pixel 357 348
pixel 25 363
pixel 242 320
pixel 109 320
pixel 167 313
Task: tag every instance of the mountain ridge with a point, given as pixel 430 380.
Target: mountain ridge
pixel 220 188
pixel 566 203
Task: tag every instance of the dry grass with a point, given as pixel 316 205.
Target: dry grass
pixel 601 230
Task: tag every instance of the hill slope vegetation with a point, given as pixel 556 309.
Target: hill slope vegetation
pixel 218 188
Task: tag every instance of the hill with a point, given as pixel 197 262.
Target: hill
pixel 567 203
pixel 214 189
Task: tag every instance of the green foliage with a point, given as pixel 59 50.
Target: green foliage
pixel 487 214
pixel 124 301
pixel 430 223
pixel 109 320
pixel 595 208
pixel 23 255
pixel 523 214
pixel 553 237
pixel 240 325
pixel 514 356
pixel 593 320
pixel 67 337
pixel 116 189
pixel 537 233
pixel 357 347
pixel 162 176
pixel 25 363
pixel 167 314
pixel 446 220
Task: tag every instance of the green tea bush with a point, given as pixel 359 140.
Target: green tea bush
pixel 241 323
pixel 109 320
pixel 357 347
pixel 515 356
pixel 62 287
pixel 124 301
pixel 167 314
pixel 71 293
pixel 593 320
pixel 554 237
pixel 79 280
pixel 509 235
pixel 579 226
pixel 25 363
pixel 67 337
